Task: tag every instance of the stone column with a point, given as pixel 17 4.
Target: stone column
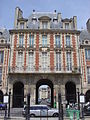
pixel 32 94
pixel 56 93
pixel 11 97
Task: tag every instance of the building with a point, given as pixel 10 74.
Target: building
pixel 44 51
pixel 4 61
pixel 85 61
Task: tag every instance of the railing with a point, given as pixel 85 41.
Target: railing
pixel 72 70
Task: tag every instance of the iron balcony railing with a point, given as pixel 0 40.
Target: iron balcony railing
pixel 33 69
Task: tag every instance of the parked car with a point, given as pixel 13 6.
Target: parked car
pixel 2 106
pixel 87 109
pixel 40 110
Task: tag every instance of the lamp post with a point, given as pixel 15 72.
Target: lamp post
pixel 59 107
pixel 9 103
pixel 82 101
pixel 78 98
pixel 5 102
pixel 28 107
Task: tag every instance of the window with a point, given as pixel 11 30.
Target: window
pixel 67 41
pixel 69 61
pixel 44 25
pixel 88 74
pixel 21 39
pixel 30 60
pixel 66 25
pixel 1 56
pixel 31 40
pixel 57 40
pixel 44 60
pixel 20 59
pixel 87 53
pixel 21 25
pixel 0 74
pixel 58 61
pixel 44 40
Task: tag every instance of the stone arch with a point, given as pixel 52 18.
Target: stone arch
pixel 45 82
pixel 18 94
pixel 87 96
pixel 70 92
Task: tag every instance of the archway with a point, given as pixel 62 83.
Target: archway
pixel 48 83
pixel 70 89
pixel 18 95
pixel 1 96
pixel 87 96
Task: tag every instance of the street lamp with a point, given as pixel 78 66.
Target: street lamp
pixel 5 102
pixel 9 103
pixel 78 98
pixel 82 101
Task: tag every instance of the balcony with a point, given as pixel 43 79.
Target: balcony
pixel 57 47
pixel 61 70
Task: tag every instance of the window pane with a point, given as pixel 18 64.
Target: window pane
pixel 88 74
pixel 21 39
pixel 1 56
pixel 30 60
pixel 20 59
pixel 69 61
pixel 0 74
pixel 58 61
pixel 21 25
pixel 66 25
pixel 68 41
pixel 45 25
pixel 44 40
pixel 44 60
pixel 31 40
pixel 57 40
pixel 87 53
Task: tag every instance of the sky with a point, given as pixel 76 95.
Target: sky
pixel 68 9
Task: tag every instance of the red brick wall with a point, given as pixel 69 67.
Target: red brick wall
pixel 64 60
pixel 14 51
pixel 74 51
pixel 51 52
pixel 37 52
pixel 25 52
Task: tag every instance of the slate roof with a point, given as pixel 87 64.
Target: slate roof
pixel 4 34
pixel 38 15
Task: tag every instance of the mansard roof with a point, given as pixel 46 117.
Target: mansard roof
pixel 4 34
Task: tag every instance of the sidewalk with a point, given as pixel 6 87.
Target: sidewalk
pixel 53 118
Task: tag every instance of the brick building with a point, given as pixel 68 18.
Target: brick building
pixel 4 61
pixel 85 61
pixel 44 51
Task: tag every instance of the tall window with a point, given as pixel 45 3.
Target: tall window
pixel 0 74
pixel 30 60
pixel 44 60
pixel 57 40
pixel 88 74
pixel 31 40
pixel 20 59
pixel 58 61
pixel 69 61
pixel 1 56
pixel 66 25
pixel 44 40
pixel 21 39
pixel 67 41
pixel 21 25
pixel 44 25
pixel 87 53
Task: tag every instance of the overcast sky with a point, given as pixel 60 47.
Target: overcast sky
pixel 68 8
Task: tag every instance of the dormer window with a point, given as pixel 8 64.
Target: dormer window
pixel 0 33
pixel 21 25
pixel 66 25
pixel 44 24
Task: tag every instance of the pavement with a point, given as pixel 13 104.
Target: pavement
pixel 45 118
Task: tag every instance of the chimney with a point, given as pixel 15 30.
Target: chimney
pixel 59 17
pixel 88 25
pixel 75 22
pixel 18 14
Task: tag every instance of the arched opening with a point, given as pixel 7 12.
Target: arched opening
pixel 70 89
pixel 1 96
pixel 87 96
pixel 46 84
pixel 18 95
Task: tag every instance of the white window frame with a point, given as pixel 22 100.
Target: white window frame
pixel 88 74
pixel 58 61
pixel 20 60
pixel 44 24
pixel 1 56
pixel 68 44
pixel 44 61
pixel 87 53
pixel 30 60
pixel 44 40
pixel 21 40
pixel 69 61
